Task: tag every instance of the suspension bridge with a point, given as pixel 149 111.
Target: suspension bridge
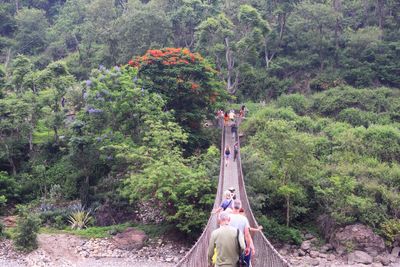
pixel 232 176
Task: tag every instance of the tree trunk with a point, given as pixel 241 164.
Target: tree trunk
pixel 30 140
pixel 380 14
pixel 337 8
pixel 55 134
pixel 287 210
pixel 16 6
pixel 11 161
pixel 230 62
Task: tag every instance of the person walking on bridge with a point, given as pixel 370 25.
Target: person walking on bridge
pixel 242 223
pixel 228 241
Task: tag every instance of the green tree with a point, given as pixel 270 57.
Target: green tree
pixel 291 163
pixel 186 81
pixel 31 34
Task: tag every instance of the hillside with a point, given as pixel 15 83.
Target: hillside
pixel 107 111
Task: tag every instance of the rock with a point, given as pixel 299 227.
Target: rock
pixel 130 239
pixel 308 236
pixel 301 253
pixel 283 252
pixel 384 259
pixel 322 255
pixel 315 262
pixel 314 254
pixel 359 256
pixel 376 264
pixel 9 221
pixel 358 237
pixel 306 245
pixel 371 251
pixel 325 248
pixel 331 257
pixel 395 251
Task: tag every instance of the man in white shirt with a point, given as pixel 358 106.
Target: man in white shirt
pixel 242 223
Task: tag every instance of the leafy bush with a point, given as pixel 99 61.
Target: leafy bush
pixel 9 189
pixel 274 230
pixel 390 229
pixel 332 102
pixel 56 215
pixel 357 117
pixel 299 103
pixel 3 201
pixel 25 238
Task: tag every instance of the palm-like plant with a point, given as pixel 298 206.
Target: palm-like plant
pixel 80 219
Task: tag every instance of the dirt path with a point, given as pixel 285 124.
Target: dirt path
pixel 60 250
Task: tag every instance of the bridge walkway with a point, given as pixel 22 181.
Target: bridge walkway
pixel 232 176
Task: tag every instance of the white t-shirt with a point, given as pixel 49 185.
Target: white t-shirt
pixel 239 222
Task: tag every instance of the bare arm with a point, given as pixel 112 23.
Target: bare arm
pixel 257 229
pixel 249 241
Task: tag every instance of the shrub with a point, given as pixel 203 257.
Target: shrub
pixel 80 219
pixel 3 201
pixel 59 222
pixel 299 103
pixel 357 117
pixel 25 238
pixel 56 215
pixel 274 230
pixel 390 229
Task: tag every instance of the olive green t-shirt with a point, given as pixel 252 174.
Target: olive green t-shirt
pixel 225 240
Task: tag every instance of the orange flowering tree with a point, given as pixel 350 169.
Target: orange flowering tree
pixel 186 80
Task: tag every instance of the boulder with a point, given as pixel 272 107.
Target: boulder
pixel 359 256
pixel 9 221
pixel 383 259
pixel 314 254
pixel 326 248
pixel 358 237
pixel 130 239
pixel 331 257
pixel 308 236
pixel 306 245
pixel 395 251
pixel 301 253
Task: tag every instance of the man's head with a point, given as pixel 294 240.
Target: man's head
pixel 224 217
pixel 227 194
pixel 237 204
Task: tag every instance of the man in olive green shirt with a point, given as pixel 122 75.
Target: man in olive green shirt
pixel 227 241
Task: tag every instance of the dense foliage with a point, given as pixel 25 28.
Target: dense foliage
pixel 104 101
pixel 104 141
pixel 301 166
pixel 262 48
pixel 25 237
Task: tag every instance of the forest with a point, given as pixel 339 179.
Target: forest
pixel 103 106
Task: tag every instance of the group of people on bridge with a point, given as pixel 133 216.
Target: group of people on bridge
pixel 231 244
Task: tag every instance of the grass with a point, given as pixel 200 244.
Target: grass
pixel 152 230
pixel 10 232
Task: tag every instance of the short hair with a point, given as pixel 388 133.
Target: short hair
pixel 227 192
pixel 224 216
pixel 237 204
